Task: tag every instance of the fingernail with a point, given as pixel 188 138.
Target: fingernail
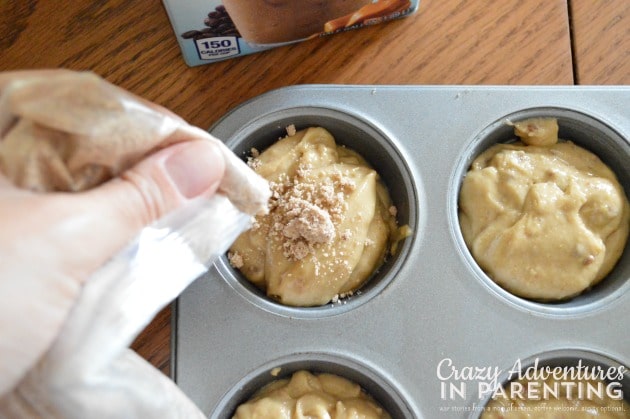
pixel 195 167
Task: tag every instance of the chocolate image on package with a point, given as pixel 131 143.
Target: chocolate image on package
pixel 217 23
pixel 234 28
pixel 266 23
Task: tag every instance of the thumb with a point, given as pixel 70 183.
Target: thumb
pixel 51 243
pixel 118 210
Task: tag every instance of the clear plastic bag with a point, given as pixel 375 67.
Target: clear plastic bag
pixel 89 371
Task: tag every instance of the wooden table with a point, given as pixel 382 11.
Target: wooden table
pixel 132 44
pixel 601 41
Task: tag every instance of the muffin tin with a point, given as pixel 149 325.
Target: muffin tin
pixel 429 303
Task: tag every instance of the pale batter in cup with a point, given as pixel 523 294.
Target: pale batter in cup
pixel 545 219
pixel 306 395
pixel 331 222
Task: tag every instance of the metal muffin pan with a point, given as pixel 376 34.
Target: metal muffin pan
pixel 378 387
pixel 431 302
pixel 564 358
pixel 376 148
pixel 587 132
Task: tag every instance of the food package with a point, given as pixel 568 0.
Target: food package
pixel 216 30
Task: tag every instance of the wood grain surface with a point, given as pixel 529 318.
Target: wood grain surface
pixel 131 43
pixel 601 41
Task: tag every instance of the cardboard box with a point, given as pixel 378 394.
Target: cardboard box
pixel 214 30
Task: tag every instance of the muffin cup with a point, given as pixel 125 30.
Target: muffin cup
pixel 373 383
pixel 564 358
pixel 378 150
pixel 586 132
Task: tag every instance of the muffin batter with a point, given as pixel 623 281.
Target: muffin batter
pixel 305 395
pixel 544 219
pixel 330 224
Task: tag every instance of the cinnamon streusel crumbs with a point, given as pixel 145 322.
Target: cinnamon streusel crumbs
pixel 329 225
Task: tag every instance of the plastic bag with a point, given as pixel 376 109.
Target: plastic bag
pixel 89 372
pixel 56 139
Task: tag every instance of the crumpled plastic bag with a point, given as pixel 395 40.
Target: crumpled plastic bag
pixel 56 140
pixel 69 142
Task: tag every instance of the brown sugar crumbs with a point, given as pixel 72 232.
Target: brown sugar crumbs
pixel 235 259
pixel 304 213
pixel 291 131
pixel 252 160
pixel 329 224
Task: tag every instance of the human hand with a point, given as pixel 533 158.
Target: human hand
pixel 73 290
pixel 50 243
